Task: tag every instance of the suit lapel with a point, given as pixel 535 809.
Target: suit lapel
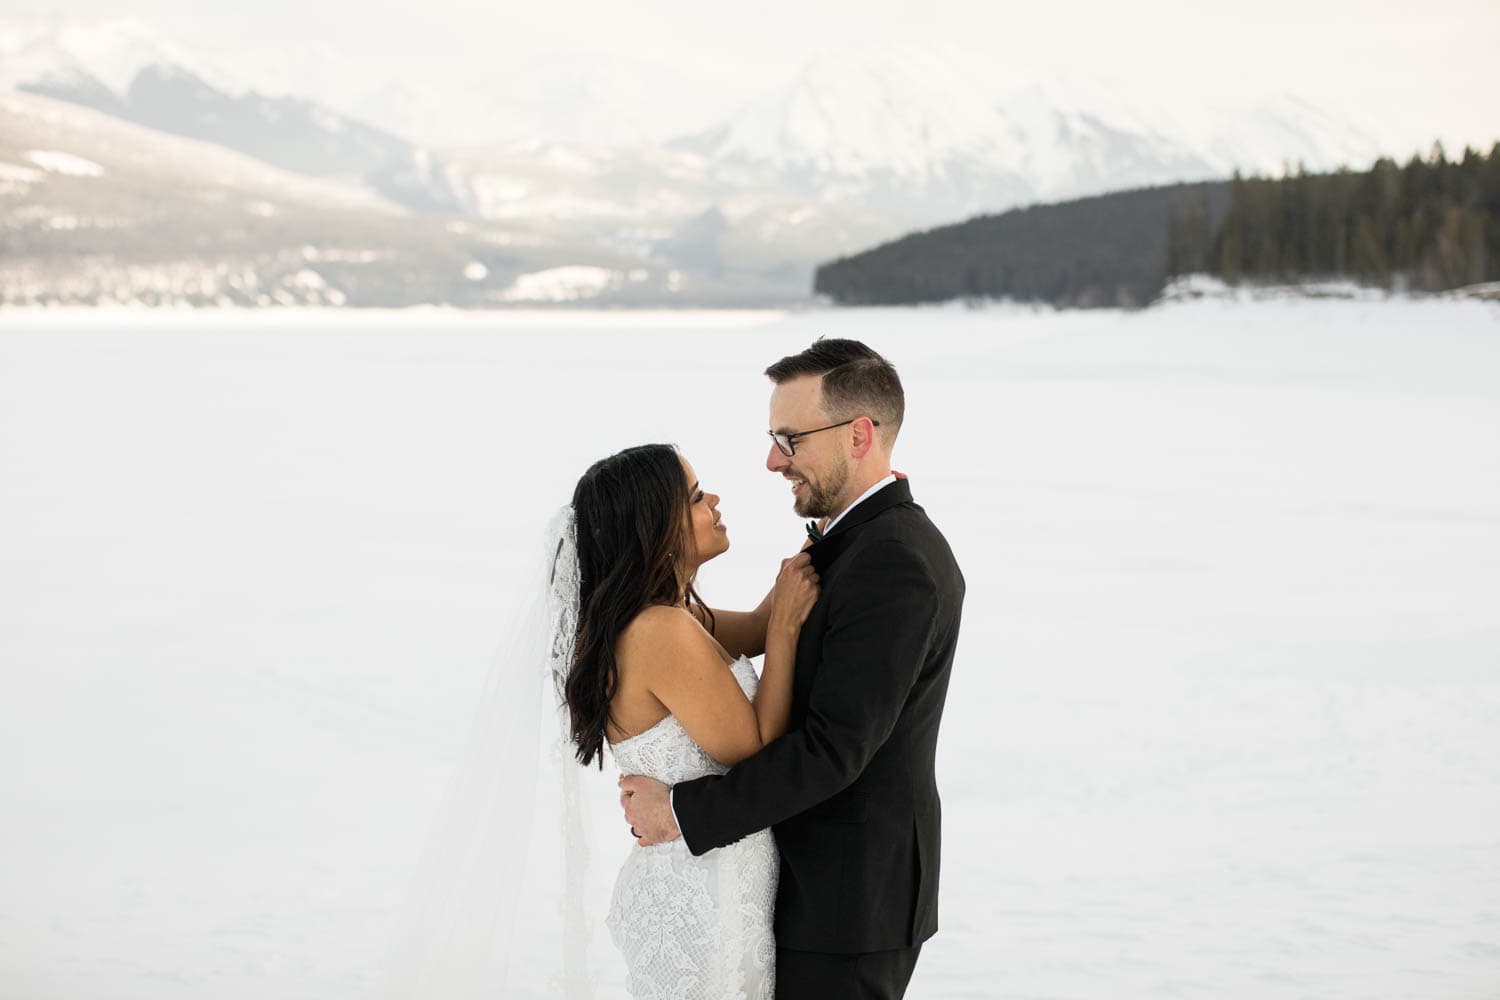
pixel 824 552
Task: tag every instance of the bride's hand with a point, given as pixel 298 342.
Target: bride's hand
pixel 795 593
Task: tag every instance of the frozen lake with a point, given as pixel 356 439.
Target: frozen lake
pixel 1225 721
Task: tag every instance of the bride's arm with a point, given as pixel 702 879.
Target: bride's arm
pixel 741 633
pixel 682 669
pixel 790 601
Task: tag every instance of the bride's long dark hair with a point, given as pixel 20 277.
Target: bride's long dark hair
pixel 633 515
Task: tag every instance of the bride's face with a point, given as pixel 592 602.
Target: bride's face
pixel 710 538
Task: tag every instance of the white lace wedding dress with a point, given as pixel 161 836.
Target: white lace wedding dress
pixel 694 928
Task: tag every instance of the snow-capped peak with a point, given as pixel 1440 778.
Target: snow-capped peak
pixel 915 117
pixel 853 112
pixel 111 50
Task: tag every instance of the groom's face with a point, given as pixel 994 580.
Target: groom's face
pixel 819 471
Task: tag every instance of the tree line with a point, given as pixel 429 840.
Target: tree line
pixel 1430 225
pixel 1108 250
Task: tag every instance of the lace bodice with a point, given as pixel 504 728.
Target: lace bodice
pixel 667 753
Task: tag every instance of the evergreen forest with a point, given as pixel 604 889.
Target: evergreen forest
pixel 1430 225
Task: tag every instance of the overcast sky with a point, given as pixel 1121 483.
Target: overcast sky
pixel 1433 60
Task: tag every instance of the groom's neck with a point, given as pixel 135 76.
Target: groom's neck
pixel 859 485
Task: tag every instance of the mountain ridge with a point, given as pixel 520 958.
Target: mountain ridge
pixel 854 149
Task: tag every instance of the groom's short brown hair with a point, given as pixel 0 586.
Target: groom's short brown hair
pixel 856 382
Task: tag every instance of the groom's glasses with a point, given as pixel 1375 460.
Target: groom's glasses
pixel 787 443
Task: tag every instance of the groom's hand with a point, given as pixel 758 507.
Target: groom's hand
pixel 648 810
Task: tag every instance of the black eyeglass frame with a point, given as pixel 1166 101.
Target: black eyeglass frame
pixel 790 448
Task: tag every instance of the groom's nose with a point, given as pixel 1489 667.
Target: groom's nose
pixel 775 460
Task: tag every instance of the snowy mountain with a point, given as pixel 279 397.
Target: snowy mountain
pixel 289 132
pixel 1272 134
pixel 932 140
pixel 107 52
pixel 122 68
pixel 857 147
pixel 729 224
pixel 96 210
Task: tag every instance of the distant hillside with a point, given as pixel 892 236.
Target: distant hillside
pixel 1431 225
pixel 99 211
pixel 736 204
pixel 286 132
pixel 1104 251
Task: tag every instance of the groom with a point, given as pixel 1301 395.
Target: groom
pixel 850 789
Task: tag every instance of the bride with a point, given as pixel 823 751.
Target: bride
pixel 667 684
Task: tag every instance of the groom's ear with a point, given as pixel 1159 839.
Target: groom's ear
pixel 864 436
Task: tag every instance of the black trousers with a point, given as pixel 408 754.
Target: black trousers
pixel 816 975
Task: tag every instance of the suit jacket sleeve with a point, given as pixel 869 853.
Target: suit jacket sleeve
pixel 880 623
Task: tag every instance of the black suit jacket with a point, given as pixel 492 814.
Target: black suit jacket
pixel 850 789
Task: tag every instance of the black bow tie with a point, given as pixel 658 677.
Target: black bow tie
pixel 813 532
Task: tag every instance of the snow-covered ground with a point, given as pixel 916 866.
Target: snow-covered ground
pixel 1225 723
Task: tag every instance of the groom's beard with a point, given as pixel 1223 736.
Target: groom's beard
pixel 822 498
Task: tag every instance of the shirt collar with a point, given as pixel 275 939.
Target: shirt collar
pixel 888 480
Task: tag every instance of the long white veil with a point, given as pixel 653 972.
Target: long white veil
pixel 503 904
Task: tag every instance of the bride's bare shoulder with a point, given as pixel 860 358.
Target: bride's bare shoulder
pixel 657 624
pixel 662 634
pixel 647 641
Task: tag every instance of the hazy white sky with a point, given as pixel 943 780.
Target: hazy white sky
pixel 1432 60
